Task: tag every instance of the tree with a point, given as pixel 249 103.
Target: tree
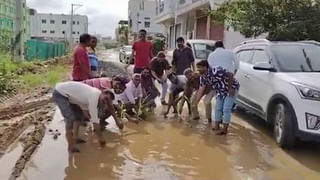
pixel 286 20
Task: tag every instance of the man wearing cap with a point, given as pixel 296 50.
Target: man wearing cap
pixel 159 69
pixel 75 98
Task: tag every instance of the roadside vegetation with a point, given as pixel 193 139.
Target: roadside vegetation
pixel 16 74
pixel 279 20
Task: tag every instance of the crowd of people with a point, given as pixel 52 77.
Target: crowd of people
pixel 90 96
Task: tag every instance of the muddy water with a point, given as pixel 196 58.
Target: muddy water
pixel 171 149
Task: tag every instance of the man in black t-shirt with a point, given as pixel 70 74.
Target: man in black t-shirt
pixel 159 67
pixel 182 58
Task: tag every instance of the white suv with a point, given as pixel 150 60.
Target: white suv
pixel 280 82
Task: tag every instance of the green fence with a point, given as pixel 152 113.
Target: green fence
pixel 43 50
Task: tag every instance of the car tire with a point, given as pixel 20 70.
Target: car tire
pixel 283 126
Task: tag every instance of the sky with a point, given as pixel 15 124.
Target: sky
pixel 103 15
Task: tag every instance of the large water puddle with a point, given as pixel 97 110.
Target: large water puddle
pixel 167 149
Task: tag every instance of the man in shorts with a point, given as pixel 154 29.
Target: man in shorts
pixel 76 100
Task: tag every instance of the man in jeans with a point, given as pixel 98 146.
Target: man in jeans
pixel 76 101
pixel 81 65
pixel 142 52
pixel 182 58
pixel 225 87
pixel 159 68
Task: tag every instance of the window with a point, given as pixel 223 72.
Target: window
pixel 245 56
pixel 63 32
pixel 52 32
pixel 52 21
pixel 202 50
pixel 44 31
pixel 78 22
pixel 73 22
pixel 64 22
pixel 44 21
pixel 146 24
pixel 260 56
pixel 147 18
pixel 73 32
pixel 78 32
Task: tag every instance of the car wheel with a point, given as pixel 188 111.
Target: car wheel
pixel 283 126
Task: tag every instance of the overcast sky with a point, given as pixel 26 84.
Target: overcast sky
pixel 103 14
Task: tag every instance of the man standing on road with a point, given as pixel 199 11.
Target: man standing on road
pixel 77 100
pixel 159 68
pixel 224 58
pixel 182 58
pixel 93 57
pixel 81 64
pixel 142 52
pixel 224 65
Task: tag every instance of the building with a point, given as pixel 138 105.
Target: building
pixel 57 27
pixel 15 22
pixel 7 15
pixel 188 19
pixel 141 16
pixel 22 28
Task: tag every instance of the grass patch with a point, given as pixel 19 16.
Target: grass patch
pixel 31 80
pixel 54 75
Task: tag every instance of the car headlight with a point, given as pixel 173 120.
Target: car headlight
pixel 307 92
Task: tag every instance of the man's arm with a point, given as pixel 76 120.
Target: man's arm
pixel 151 51
pixel 200 94
pixel 193 64
pixel 93 111
pixel 112 110
pixel 174 61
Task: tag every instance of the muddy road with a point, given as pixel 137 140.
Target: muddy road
pixel 175 148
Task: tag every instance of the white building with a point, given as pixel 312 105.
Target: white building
pixel 186 18
pixel 141 16
pixel 57 27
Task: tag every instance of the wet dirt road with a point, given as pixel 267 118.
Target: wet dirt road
pixel 169 149
pixel 174 148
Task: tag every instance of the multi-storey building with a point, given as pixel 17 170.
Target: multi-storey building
pixel 57 27
pixel 141 16
pixel 14 20
pixel 187 18
pixel 7 16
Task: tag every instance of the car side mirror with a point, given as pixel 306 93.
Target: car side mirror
pixel 264 66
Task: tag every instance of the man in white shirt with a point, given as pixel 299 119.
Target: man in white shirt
pixel 76 100
pixel 132 95
pixel 222 57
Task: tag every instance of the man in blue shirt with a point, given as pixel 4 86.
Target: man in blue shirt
pixel 93 57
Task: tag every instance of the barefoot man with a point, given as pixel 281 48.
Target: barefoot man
pixel 77 100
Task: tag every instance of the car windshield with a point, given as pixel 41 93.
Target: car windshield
pixel 297 58
pixel 127 48
pixel 202 50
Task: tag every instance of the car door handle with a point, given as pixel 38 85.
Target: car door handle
pixel 247 76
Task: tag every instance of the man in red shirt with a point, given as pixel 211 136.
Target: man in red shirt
pixel 81 64
pixel 142 51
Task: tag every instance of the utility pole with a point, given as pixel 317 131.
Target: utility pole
pixel 71 23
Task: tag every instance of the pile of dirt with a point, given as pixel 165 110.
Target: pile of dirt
pixel 109 69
